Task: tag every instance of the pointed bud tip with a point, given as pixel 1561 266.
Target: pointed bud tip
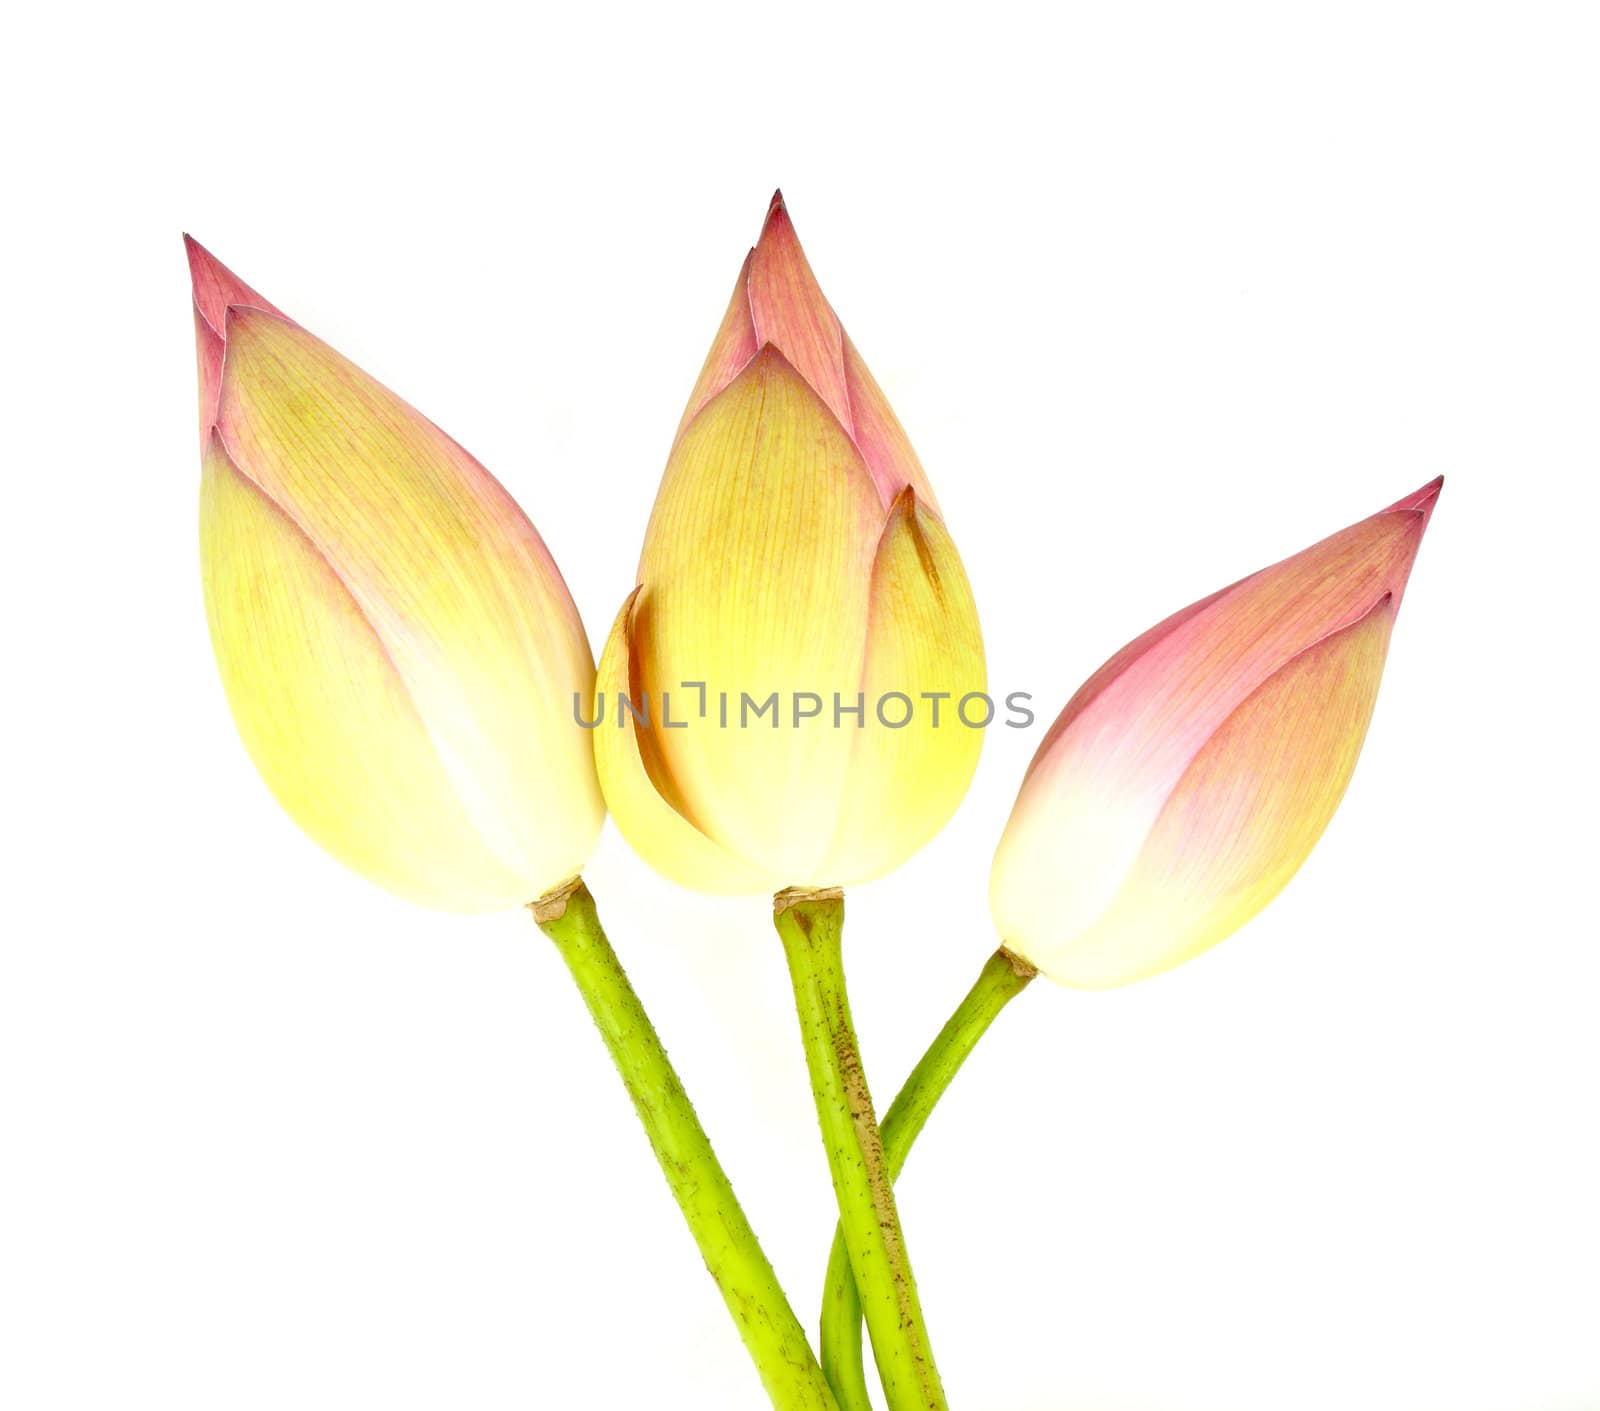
pixel 216 287
pixel 777 216
pixel 202 262
pixel 1421 500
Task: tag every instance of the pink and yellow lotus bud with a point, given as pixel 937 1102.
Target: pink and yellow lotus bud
pixel 397 646
pixel 802 618
pixel 1189 778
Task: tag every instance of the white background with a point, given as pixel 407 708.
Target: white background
pixel 1161 295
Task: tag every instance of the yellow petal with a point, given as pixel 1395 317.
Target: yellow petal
pixel 1244 816
pixel 453 579
pixel 655 827
pixel 731 349
pixel 323 711
pixel 923 641
pixel 756 570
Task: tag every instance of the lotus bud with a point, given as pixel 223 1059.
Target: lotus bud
pixel 786 683
pixel 1192 774
pixel 398 648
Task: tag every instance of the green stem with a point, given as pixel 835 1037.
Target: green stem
pixel 771 1332
pixel 811 924
pixel 1003 978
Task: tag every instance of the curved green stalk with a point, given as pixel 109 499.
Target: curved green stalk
pixel 1002 979
pixel 811 924
pixel 771 1332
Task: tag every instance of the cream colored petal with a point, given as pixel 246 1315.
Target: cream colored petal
pixel 923 642
pixel 459 588
pixel 1104 776
pixel 1108 672
pixel 758 561
pixel 324 713
pixel 645 807
pixel 1242 819
pixel 1153 717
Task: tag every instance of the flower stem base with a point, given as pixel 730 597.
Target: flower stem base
pixel 733 1256
pixel 811 926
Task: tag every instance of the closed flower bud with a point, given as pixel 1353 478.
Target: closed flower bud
pixel 397 646
pixel 1189 778
pixel 802 618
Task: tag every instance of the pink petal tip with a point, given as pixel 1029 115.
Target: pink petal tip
pixel 216 287
pixel 1419 501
